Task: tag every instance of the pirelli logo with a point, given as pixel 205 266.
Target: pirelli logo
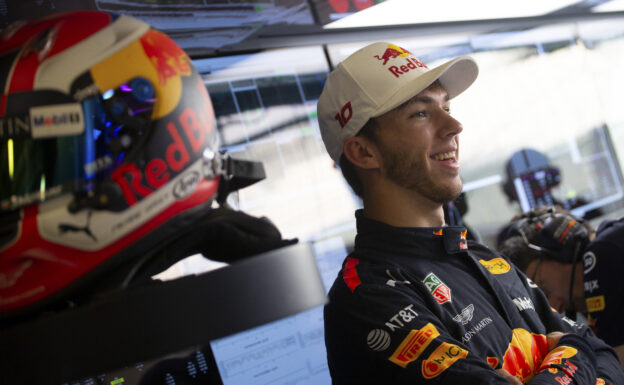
pixel 595 304
pixel 413 345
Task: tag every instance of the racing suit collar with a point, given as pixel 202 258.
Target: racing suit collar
pixel 427 241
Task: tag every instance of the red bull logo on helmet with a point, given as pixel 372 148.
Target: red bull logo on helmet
pixel 188 133
pixel 168 59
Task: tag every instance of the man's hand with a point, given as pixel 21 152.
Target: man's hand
pixel 506 375
pixel 553 339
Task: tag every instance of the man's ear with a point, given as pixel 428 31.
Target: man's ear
pixel 361 152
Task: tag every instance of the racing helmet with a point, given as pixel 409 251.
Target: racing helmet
pixel 107 143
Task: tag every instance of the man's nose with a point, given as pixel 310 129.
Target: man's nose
pixel 449 126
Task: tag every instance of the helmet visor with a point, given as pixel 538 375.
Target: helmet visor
pixel 38 165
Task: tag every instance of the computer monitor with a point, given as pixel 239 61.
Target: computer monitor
pixel 583 176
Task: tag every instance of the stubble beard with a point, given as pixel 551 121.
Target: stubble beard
pixel 412 175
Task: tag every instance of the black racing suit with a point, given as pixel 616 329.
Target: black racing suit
pixel 604 287
pixel 421 305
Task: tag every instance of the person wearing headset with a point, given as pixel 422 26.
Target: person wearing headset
pixel 559 253
pixel 603 263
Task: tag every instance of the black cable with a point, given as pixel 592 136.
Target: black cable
pixel 570 311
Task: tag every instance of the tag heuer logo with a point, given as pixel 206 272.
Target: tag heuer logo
pixel 438 289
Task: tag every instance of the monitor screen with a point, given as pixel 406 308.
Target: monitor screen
pixel 290 351
pixel 583 176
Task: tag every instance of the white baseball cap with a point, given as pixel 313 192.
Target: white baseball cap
pixel 375 80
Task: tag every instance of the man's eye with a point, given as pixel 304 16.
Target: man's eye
pixel 419 114
pixel 448 110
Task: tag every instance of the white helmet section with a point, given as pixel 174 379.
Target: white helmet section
pixel 59 71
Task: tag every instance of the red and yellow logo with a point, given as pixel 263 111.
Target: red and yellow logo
pixel 555 357
pixel 463 243
pixel 413 345
pixel 155 57
pixel 524 354
pixel 492 361
pixel 393 51
pixel 444 356
pixel 496 265
pixel 595 303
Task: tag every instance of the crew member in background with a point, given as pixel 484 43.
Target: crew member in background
pixel 547 243
pixel 415 302
pixel 603 264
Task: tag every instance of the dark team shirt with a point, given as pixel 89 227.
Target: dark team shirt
pixel 422 306
pixel 604 287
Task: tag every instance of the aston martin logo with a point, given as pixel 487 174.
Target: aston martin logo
pixel 466 315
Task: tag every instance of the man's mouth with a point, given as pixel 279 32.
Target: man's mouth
pixel 445 155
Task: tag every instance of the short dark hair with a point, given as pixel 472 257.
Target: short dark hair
pixel 368 131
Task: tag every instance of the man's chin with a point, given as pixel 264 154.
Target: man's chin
pixel 450 192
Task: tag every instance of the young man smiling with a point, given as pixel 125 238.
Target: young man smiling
pixel 414 302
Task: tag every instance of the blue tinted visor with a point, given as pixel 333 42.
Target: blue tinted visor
pixel 35 166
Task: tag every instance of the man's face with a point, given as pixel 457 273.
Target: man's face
pixel 419 143
pixel 554 279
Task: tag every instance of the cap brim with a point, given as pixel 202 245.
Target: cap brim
pixel 455 75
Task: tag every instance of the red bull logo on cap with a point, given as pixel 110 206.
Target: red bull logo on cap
pixel 403 67
pixel 393 51
pixel 168 59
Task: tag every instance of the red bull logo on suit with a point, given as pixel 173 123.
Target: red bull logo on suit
pixel 525 353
